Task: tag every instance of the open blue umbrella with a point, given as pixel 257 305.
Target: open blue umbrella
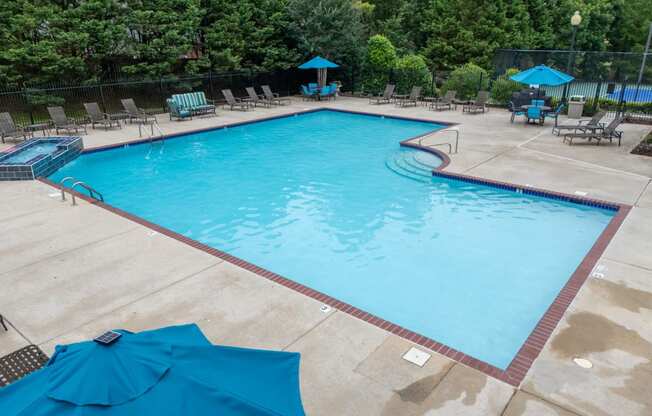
pixel 542 75
pixel 169 371
pixel 321 65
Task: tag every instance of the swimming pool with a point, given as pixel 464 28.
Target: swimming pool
pixel 313 198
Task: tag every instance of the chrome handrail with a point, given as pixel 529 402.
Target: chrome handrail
pixel 92 191
pixel 450 146
pixel 63 188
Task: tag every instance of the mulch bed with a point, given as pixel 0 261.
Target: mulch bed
pixel 644 147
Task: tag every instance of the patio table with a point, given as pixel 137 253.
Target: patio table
pixel 43 127
pixel 544 108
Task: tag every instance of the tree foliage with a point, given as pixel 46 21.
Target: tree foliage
pixel 466 81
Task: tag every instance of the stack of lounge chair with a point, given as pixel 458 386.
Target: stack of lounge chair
pixel 273 97
pixel 479 105
pixel 255 99
pixel 9 129
pixel 597 133
pixel 63 123
pixel 385 98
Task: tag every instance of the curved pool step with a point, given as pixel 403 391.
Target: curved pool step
pixel 405 163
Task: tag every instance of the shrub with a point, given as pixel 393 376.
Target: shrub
pixel 503 87
pixel 467 80
pixel 412 70
pixel 380 60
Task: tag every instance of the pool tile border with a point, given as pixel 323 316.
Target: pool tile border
pixel 534 343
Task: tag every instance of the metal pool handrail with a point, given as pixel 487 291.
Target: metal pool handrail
pixel 450 147
pixel 92 192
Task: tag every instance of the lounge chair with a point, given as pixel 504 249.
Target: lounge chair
pixel 580 125
pixel 194 102
pixel 598 133
pixel 234 103
pixel 96 116
pixel 273 97
pixel 134 113
pixel 328 92
pixel 516 111
pixel 257 99
pixel 534 114
pixel 554 114
pixel 446 102
pixel 412 99
pixel 177 111
pixel 62 122
pixel 479 105
pixel 386 96
pixel 9 129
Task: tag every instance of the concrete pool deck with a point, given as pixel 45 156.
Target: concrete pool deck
pixel 69 273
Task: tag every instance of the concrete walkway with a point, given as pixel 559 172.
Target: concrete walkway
pixel 69 273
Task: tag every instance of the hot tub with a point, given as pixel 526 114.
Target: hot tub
pixel 38 157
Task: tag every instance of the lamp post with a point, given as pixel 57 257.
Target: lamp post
pixel 575 21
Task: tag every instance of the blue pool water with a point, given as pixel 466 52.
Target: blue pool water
pixel 30 152
pixel 312 198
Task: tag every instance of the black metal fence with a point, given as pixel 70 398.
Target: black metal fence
pixel 28 104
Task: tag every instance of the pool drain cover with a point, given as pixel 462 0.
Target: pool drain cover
pixel 416 356
pixel 583 362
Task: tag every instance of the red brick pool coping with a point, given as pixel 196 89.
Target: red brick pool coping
pixel 533 345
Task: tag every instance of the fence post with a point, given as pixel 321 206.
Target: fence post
pixel 210 84
pixel 29 105
pixel 598 89
pixel 621 100
pixel 480 83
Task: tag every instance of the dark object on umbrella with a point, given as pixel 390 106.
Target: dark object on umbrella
pixel 169 371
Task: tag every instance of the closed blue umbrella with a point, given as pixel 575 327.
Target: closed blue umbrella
pixel 321 65
pixel 170 371
pixel 542 75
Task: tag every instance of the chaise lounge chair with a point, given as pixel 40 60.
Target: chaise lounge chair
pixel 136 114
pixel 96 116
pixel 62 122
pixel 273 97
pixel 9 129
pixel 385 98
pixel 256 99
pixel 412 99
pixel 195 103
pixel 177 111
pixel 598 133
pixel 582 125
pixel 479 105
pixel 233 102
pixel 446 102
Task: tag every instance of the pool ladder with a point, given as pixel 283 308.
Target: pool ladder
pixel 452 129
pixel 92 192
pixel 153 125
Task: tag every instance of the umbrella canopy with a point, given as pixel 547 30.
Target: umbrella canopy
pixel 321 65
pixel 542 75
pixel 318 63
pixel 170 371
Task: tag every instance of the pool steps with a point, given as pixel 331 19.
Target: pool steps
pixel 412 164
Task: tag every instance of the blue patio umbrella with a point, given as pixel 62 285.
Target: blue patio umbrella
pixel 542 75
pixel 321 65
pixel 169 371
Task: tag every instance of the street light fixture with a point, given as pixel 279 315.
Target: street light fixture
pixel 575 21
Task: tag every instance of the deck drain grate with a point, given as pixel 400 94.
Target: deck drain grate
pixel 416 356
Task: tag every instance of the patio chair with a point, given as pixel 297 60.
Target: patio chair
pixel 479 105
pixel 598 133
pixel 327 92
pixel 554 114
pixel 233 102
pixel 582 125
pixel 9 129
pixel 177 111
pixel 62 122
pixel 273 97
pixel 516 111
pixel 134 113
pixel 21 363
pixel 447 102
pixel 534 114
pixel 306 94
pixel 256 99
pixel 386 96
pixel 96 116
pixel 412 99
